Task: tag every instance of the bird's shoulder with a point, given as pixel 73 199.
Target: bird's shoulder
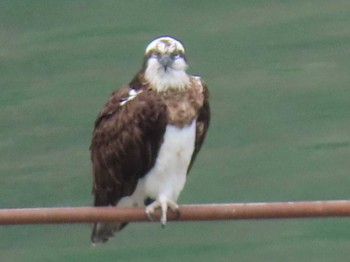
pixel 113 104
pixel 129 101
pixel 199 85
pixel 132 112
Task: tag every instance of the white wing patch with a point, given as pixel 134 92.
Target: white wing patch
pixel 132 94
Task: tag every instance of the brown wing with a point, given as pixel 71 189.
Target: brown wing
pixel 125 143
pixel 202 123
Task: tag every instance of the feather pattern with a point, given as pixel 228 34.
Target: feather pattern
pixel 147 136
pixel 128 136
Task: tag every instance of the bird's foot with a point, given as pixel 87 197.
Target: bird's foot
pixel 163 205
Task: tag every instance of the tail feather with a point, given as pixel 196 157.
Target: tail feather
pixel 104 231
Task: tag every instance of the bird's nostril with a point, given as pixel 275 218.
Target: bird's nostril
pixel 165 60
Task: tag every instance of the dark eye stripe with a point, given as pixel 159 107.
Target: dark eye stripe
pixel 175 55
pixel 155 54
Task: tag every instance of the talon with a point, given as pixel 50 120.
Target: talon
pixel 163 220
pixel 177 212
pixel 150 209
pixel 163 205
pixel 149 215
pixel 175 209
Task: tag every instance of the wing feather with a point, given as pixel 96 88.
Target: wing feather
pixel 202 123
pixel 125 143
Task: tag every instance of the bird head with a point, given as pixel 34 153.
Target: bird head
pixel 165 64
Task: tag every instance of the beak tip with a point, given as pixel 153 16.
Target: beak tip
pixel 165 61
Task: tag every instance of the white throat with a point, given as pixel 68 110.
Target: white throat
pixel 161 79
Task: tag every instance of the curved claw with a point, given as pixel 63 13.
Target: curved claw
pixel 149 215
pixel 150 209
pixel 174 208
pixel 177 212
pixel 163 205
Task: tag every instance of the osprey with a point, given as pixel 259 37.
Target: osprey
pixel 147 136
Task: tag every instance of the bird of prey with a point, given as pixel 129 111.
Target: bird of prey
pixel 147 136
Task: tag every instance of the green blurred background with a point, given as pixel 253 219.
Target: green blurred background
pixel 278 72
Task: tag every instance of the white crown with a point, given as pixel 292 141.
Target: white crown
pixel 165 42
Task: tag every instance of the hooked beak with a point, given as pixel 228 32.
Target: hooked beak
pixel 165 61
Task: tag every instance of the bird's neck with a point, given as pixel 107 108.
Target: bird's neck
pixel 161 80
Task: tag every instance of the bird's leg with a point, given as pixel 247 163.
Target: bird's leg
pixel 163 204
pixel 164 209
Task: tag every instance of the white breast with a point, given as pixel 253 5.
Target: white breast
pixel 168 176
